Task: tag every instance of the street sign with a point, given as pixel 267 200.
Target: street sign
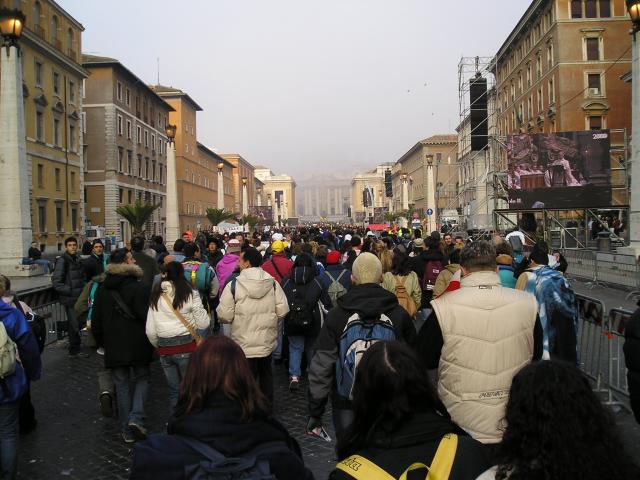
pixel 429 211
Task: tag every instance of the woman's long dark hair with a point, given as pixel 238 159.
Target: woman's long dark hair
pixel 557 428
pixel 172 272
pixel 400 263
pixel 304 260
pixel 219 365
pixel 391 386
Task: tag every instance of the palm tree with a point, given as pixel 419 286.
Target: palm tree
pixel 390 217
pixel 218 215
pixel 137 214
pixel 250 220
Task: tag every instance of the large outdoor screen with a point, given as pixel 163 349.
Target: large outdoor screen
pixel 559 170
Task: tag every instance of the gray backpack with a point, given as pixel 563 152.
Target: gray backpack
pixel 8 353
pixel 336 289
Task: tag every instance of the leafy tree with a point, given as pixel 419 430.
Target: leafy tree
pixel 218 215
pixel 390 217
pixel 137 214
pixel 250 220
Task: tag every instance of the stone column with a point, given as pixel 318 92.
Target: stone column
pixel 245 200
pixel 15 209
pixel 173 216
pixel 220 189
pixel 431 200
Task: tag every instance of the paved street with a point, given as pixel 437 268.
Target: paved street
pixel 73 441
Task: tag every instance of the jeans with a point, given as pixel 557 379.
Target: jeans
pixel 46 264
pixel 298 344
pixel 73 329
pixel 105 381
pixel 277 353
pixel 261 370
pixel 342 420
pixel 8 440
pixel 175 368
pixel 129 411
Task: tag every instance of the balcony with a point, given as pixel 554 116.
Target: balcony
pixel 57 43
pixel 39 31
pixel 72 54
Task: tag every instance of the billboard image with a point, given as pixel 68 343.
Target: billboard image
pixel 264 213
pixel 559 170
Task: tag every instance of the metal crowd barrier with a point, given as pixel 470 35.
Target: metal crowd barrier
pixel 600 343
pixel 603 267
pixel 44 302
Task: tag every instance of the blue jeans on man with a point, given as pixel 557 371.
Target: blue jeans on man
pixel 73 330
pixel 8 440
pixel 131 410
pixel 298 344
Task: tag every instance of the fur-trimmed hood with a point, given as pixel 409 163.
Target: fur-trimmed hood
pixel 124 269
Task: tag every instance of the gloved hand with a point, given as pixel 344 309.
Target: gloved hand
pixel 313 423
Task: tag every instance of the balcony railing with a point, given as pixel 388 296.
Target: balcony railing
pixel 39 31
pixel 72 54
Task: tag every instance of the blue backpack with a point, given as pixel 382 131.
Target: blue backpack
pixel 358 335
pixel 198 274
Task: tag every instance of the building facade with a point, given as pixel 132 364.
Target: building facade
pixel 560 68
pixel 125 147
pixel 52 89
pixel 196 175
pixel 369 185
pixel 323 198
pixel 280 193
pixel 208 157
pixel 242 169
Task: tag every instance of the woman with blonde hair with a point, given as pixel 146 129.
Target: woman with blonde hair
pixel 384 254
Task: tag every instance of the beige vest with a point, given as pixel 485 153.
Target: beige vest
pixel 488 336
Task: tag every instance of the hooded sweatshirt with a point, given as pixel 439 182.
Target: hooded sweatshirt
pixel 253 303
pixel 369 300
pixel 506 270
pixel 225 268
pixel 307 285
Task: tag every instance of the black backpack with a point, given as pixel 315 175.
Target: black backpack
pixel 300 317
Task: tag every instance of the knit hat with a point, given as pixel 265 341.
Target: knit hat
pixel 367 269
pixel 418 243
pixel 277 237
pixel 277 247
pixel 333 257
pixel 347 237
pixel 233 246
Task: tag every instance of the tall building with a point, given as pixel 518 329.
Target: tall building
pixel 52 88
pixel 196 174
pixel 560 68
pixel 242 169
pixel 323 198
pixel 280 192
pixel 125 146
pixel 208 156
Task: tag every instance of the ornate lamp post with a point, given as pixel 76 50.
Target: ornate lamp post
pixel 431 199
pixel 173 215
pixel 633 7
pixel 220 186
pixel 245 197
pixel 15 208
pixel 259 196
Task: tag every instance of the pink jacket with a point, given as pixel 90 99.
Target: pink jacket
pixel 225 268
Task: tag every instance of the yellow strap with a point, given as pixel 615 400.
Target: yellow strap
pixel 441 464
pixel 193 277
pixel 362 469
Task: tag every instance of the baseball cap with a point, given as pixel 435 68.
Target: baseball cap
pixel 233 246
pixel 347 237
pixel 333 257
pixel 277 237
pixel 277 246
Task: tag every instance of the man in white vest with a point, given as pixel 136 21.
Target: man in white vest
pixel 479 337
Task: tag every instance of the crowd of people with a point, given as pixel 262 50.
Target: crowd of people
pixel 362 319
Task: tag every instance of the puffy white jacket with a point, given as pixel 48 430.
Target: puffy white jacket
pixel 163 322
pixel 254 313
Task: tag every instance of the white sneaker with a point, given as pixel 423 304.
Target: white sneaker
pixel 294 383
pixel 100 351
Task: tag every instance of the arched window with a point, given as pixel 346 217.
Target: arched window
pixel 54 29
pixel 69 39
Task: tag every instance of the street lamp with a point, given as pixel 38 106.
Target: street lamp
pixel 170 131
pixel 633 7
pixel 244 180
pixel 220 166
pixel 11 23
pixel 404 177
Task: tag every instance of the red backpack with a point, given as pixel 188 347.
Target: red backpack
pixel 431 271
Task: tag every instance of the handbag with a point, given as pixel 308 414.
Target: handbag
pixel 192 331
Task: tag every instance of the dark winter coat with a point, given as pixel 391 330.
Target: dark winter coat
pixel 419 263
pixel 124 340
pixel 220 425
pixel 214 258
pixel 334 271
pixel 148 265
pixel 94 265
pixel 68 279
pixel 369 301
pixel 304 281
pixel 416 441
pixel 632 359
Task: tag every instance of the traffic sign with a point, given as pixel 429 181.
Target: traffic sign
pixel 429 211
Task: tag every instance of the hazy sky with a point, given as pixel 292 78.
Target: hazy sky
pixel 305 86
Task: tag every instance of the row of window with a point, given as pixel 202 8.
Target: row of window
pixel 56 130
pixel 193 208
pixel 144 169
pixel 39 23
pixel 147 113
pixel 133 195
pixel 59 216
pixel 41 176
pixel 149 140
pixel 56 81
pixel 590 8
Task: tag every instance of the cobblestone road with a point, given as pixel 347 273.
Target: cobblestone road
pixel 73 441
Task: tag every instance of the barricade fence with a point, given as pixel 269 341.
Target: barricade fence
pixel 600 347
pixel 603 267
pixel 44 302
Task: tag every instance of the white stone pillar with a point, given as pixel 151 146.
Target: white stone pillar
pixel 15 209
pixel 259 199
pixel 245 200
pixel 431 199
pixel 405 200
pixel 220 189
pixel 173 215
pixel 634 200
